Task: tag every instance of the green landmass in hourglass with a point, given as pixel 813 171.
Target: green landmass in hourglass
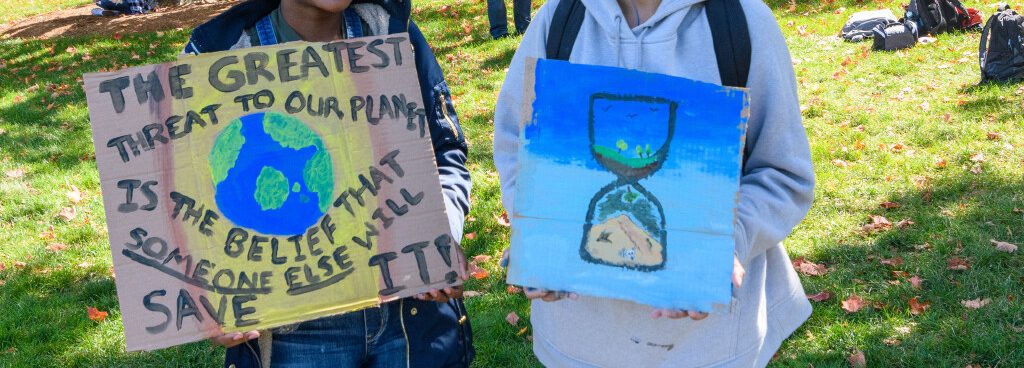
pixel 644 155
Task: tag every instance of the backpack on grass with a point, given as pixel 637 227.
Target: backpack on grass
pixel 937 16
pixel 860 25
pixel 729 33
pixel 1001 52
pixel 895 35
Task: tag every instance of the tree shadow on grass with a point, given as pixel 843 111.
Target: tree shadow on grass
pixel 954 217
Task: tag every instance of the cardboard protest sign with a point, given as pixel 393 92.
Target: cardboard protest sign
pixel 259 187
pixel 655 166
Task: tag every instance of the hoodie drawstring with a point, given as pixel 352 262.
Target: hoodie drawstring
pixel 618 40
pixel 640 47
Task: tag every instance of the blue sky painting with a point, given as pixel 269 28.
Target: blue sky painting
pixel 627 186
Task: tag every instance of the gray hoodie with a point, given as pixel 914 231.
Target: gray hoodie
pixel 775 193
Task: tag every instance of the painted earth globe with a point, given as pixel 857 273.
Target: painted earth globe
pixel 271 173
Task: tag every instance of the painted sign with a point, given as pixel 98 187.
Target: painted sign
pixel 259 187
pixel 655 165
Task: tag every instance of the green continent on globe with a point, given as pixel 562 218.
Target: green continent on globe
pixel 271 189
pixel 225 151
pixel 318 172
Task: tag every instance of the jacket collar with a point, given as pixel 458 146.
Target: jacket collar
pixel 223 31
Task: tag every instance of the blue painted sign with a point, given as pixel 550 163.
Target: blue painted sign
pixel 627 185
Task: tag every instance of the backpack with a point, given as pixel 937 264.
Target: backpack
pixel 860 25
pixel 728 32
pixel 895 35
pixel 937 16
pixel 1001 52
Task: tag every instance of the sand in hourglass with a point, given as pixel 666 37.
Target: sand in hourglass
pixel 621 242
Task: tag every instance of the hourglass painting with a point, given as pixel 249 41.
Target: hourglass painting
pixel 625 222
pixel 627 185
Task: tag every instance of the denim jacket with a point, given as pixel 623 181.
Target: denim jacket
pixel 439 334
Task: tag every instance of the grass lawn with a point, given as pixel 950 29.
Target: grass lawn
pixel 910 129
pixel 17 10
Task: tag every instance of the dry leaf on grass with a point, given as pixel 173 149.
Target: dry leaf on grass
pixel 476 272
pixel 1004 246
pixel 471 236
pixel 16 173
pixel 841 163
pixel 917 307
pixel 915 282
pixel 878 223
pixel 74 195
pixel 820 297
pixel 809 268
pixel 67 213
pixel 481 258
pixel 471 294
pixel 895 262
pixel 857 359
pixel 512 289
pixel 957 263
pixel 96 314
pixel 889 205
pixel 503 219
pixel 56 247
pixel 975 303
pixel 904 223
pixel 853 304
pixel 512 318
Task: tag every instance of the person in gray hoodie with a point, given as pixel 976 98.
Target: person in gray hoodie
pixel 673 37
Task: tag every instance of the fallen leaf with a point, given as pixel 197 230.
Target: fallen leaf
pixel 67 213
pixel 895 262
pixel 993 136
pixel 481 258
pixel 915 282
pixel 857 359
pixel 84 264
pixel 802 31
pixel 74 195
pixel 975 303
pixel 940 163
pixel 878 223
pixel 471 294
pixel 820 297
pixel 809 268
pixel 16 173
pixel 917 307
pixel 56 247
pixel 477 272
pixel 853 304
pixel 904 223
pixel 512 318
pixel 503 219
pixel 512 289
pixel 3 266
pixel 523 331
pixel 117 35
pixel 957 263
pixel 978 157
pixel 1004 246
pixel 924 106
pixel 96 314
pixel 890 341
pixel 20 264
pixel 841 163
pixel 890 205
pixel 471 236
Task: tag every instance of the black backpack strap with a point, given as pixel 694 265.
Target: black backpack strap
pixel 732 40
pixel 983 46
pixel 565 26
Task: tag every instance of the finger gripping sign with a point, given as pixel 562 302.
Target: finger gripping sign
pixel 649 215
pixel 254 188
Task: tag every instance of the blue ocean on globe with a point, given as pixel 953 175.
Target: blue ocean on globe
pixel 272 174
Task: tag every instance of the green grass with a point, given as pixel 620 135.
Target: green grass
pixel 25 8
pixel 866 109
pixel 634 162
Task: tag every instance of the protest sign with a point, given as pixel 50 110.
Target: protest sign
pixel 259 187
pixel 655 164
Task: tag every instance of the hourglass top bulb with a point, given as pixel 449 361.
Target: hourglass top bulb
pixel 648 121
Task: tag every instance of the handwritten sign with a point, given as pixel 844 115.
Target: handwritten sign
pixel 259 187
pixel 655 165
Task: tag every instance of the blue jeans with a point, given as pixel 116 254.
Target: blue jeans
pixel 369 338
pixel 498 16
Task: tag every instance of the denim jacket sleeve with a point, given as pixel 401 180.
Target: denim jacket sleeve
pixel 449 141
